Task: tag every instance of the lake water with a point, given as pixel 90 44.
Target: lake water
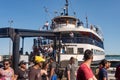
pixel 112 57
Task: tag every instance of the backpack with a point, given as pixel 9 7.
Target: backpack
pixel 65 72
pixel 58 72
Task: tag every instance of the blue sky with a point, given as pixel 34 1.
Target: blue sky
pixel 30 14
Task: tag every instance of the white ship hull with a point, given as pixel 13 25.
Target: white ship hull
pixel 98 56
pixel 64 57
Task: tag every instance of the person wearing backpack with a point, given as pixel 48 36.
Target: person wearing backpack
pixel 71 69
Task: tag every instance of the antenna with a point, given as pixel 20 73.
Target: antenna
pixel 10 23
pixel 46 10
pixel 86 21
pixel 66 5
pixel 74 13
pixel 56 13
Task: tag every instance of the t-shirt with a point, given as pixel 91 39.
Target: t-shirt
pixel 84 72
pixel 34 74
pixel 103 74
pixel 72 69
pixel 22 75
pixel 53 65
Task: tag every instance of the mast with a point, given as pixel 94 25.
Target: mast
pixel 66 6
pixel 86 21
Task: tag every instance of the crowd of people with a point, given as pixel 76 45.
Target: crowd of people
pixel 84 72
pixel 37 71
pixel 46 69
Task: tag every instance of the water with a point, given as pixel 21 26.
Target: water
pixel 112 57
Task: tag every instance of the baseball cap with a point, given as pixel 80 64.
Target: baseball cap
pixel 22 62
pixel 39 59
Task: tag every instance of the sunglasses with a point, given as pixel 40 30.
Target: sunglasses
pixel 6 63
pixel 24 63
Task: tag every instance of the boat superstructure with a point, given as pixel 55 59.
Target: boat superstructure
pixel 76 38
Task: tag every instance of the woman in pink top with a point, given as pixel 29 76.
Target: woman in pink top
pixel 7 73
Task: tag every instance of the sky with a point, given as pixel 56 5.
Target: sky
pixel 30 14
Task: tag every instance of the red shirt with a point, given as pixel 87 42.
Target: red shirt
pixel 84 72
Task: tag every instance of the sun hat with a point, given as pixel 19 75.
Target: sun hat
pixel 39 59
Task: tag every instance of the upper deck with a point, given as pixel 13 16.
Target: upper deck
pixel 72 24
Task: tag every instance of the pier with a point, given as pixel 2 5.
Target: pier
pixel 16 34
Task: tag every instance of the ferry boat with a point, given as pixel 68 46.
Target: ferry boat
pixel 75 38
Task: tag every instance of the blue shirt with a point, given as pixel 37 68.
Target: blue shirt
pixel 103 74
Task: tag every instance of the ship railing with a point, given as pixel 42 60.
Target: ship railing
pixel 84 40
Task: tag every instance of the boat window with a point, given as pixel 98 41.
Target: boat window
pixel 72 21
pixel 81 38
pixel 68 34
pixel 69 51
pixel 60 21
pixel 98 52
pixel 80 51
pixel 65 21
